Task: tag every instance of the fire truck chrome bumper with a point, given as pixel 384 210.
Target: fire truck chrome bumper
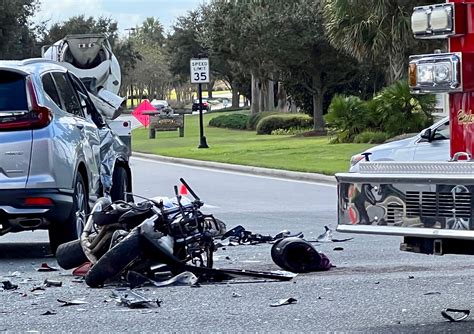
pixel 407 232
pixel 408 199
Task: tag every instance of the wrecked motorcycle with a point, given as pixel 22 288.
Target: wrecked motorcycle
pixel 171 232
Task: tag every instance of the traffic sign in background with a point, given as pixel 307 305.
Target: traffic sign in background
pixel 200 70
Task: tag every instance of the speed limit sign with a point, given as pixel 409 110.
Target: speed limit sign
pixel 200 70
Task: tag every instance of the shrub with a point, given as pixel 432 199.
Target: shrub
pixel 398 111
pixel 254 119
pixel 371 137
pixel 282 121
pixel 293 131
pixel 348 116
pixel 231 121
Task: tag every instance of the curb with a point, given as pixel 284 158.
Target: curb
pixel 279 173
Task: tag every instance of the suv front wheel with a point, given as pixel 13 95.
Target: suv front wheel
pixel 63 231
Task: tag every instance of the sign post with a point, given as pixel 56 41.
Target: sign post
pixel 200 74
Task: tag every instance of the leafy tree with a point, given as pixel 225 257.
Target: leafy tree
pixel 17 34
pixel 82 25
pixel 151 32
pixel 377 32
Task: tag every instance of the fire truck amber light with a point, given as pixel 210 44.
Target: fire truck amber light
pixel 435 73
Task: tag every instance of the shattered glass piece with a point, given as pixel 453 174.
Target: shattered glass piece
pixel 286 301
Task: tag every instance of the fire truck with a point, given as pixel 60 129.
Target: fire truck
pixel 429 204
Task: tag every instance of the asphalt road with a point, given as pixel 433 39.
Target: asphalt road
pixel 373 288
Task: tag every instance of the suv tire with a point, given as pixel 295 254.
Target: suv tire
pixel 63 231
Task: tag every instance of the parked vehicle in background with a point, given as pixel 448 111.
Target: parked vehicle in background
pixel 205 105
pixel 162 107
pixel 430 144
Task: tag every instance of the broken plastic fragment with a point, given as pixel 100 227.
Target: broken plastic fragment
pixel 48 313
pixel 456 314
pixel 71 302
pixel 133 299
pixel 49 283
pixel 82 270
pixel 7 285
pixel 432 293
pixel 46 267
pixel 286 301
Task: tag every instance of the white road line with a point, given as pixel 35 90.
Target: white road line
pixel 234 173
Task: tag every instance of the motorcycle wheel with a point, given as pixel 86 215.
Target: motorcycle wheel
pixel 115 261
pixel 70 255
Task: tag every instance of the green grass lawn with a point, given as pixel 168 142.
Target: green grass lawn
pixel 312 154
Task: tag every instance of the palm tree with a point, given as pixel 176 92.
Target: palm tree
pixel 375 31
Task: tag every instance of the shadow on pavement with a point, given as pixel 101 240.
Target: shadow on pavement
pixel 19 250
pixel 437 327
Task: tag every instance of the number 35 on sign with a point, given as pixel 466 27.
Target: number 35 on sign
pixel 200 70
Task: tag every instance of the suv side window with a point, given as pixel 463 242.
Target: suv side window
pixel 50 89
pixel 442 132
pixel 67 94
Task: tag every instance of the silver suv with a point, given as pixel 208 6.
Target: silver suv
pixel 57 155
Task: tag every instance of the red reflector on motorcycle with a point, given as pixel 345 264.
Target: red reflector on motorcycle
pixel 38 201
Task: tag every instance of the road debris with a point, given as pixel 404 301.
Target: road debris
pixel 8 285
pixel 46 267
pixel 52 283
pixel 71 302
pixel 455 315
pixel 133 299
pixel 298 256
pixel 236 295
pixel 185 278
pixel 48 313
pixel 82 270
pixel 432 293
pixel 327 236
pixel 286 301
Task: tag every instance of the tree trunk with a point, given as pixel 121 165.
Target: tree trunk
pixel 263 94
pixel 281 96
pixel 210 86
pixel 270 94
pixel 255 102
pixel 318 120
pixel 131 94
pixel 235 98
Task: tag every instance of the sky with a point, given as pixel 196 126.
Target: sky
pixel 127 13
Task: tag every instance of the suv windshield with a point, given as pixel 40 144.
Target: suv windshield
pixel 12 93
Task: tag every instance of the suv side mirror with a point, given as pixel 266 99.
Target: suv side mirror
pixel 427 135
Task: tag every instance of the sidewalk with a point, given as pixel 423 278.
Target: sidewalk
pixel 278 173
